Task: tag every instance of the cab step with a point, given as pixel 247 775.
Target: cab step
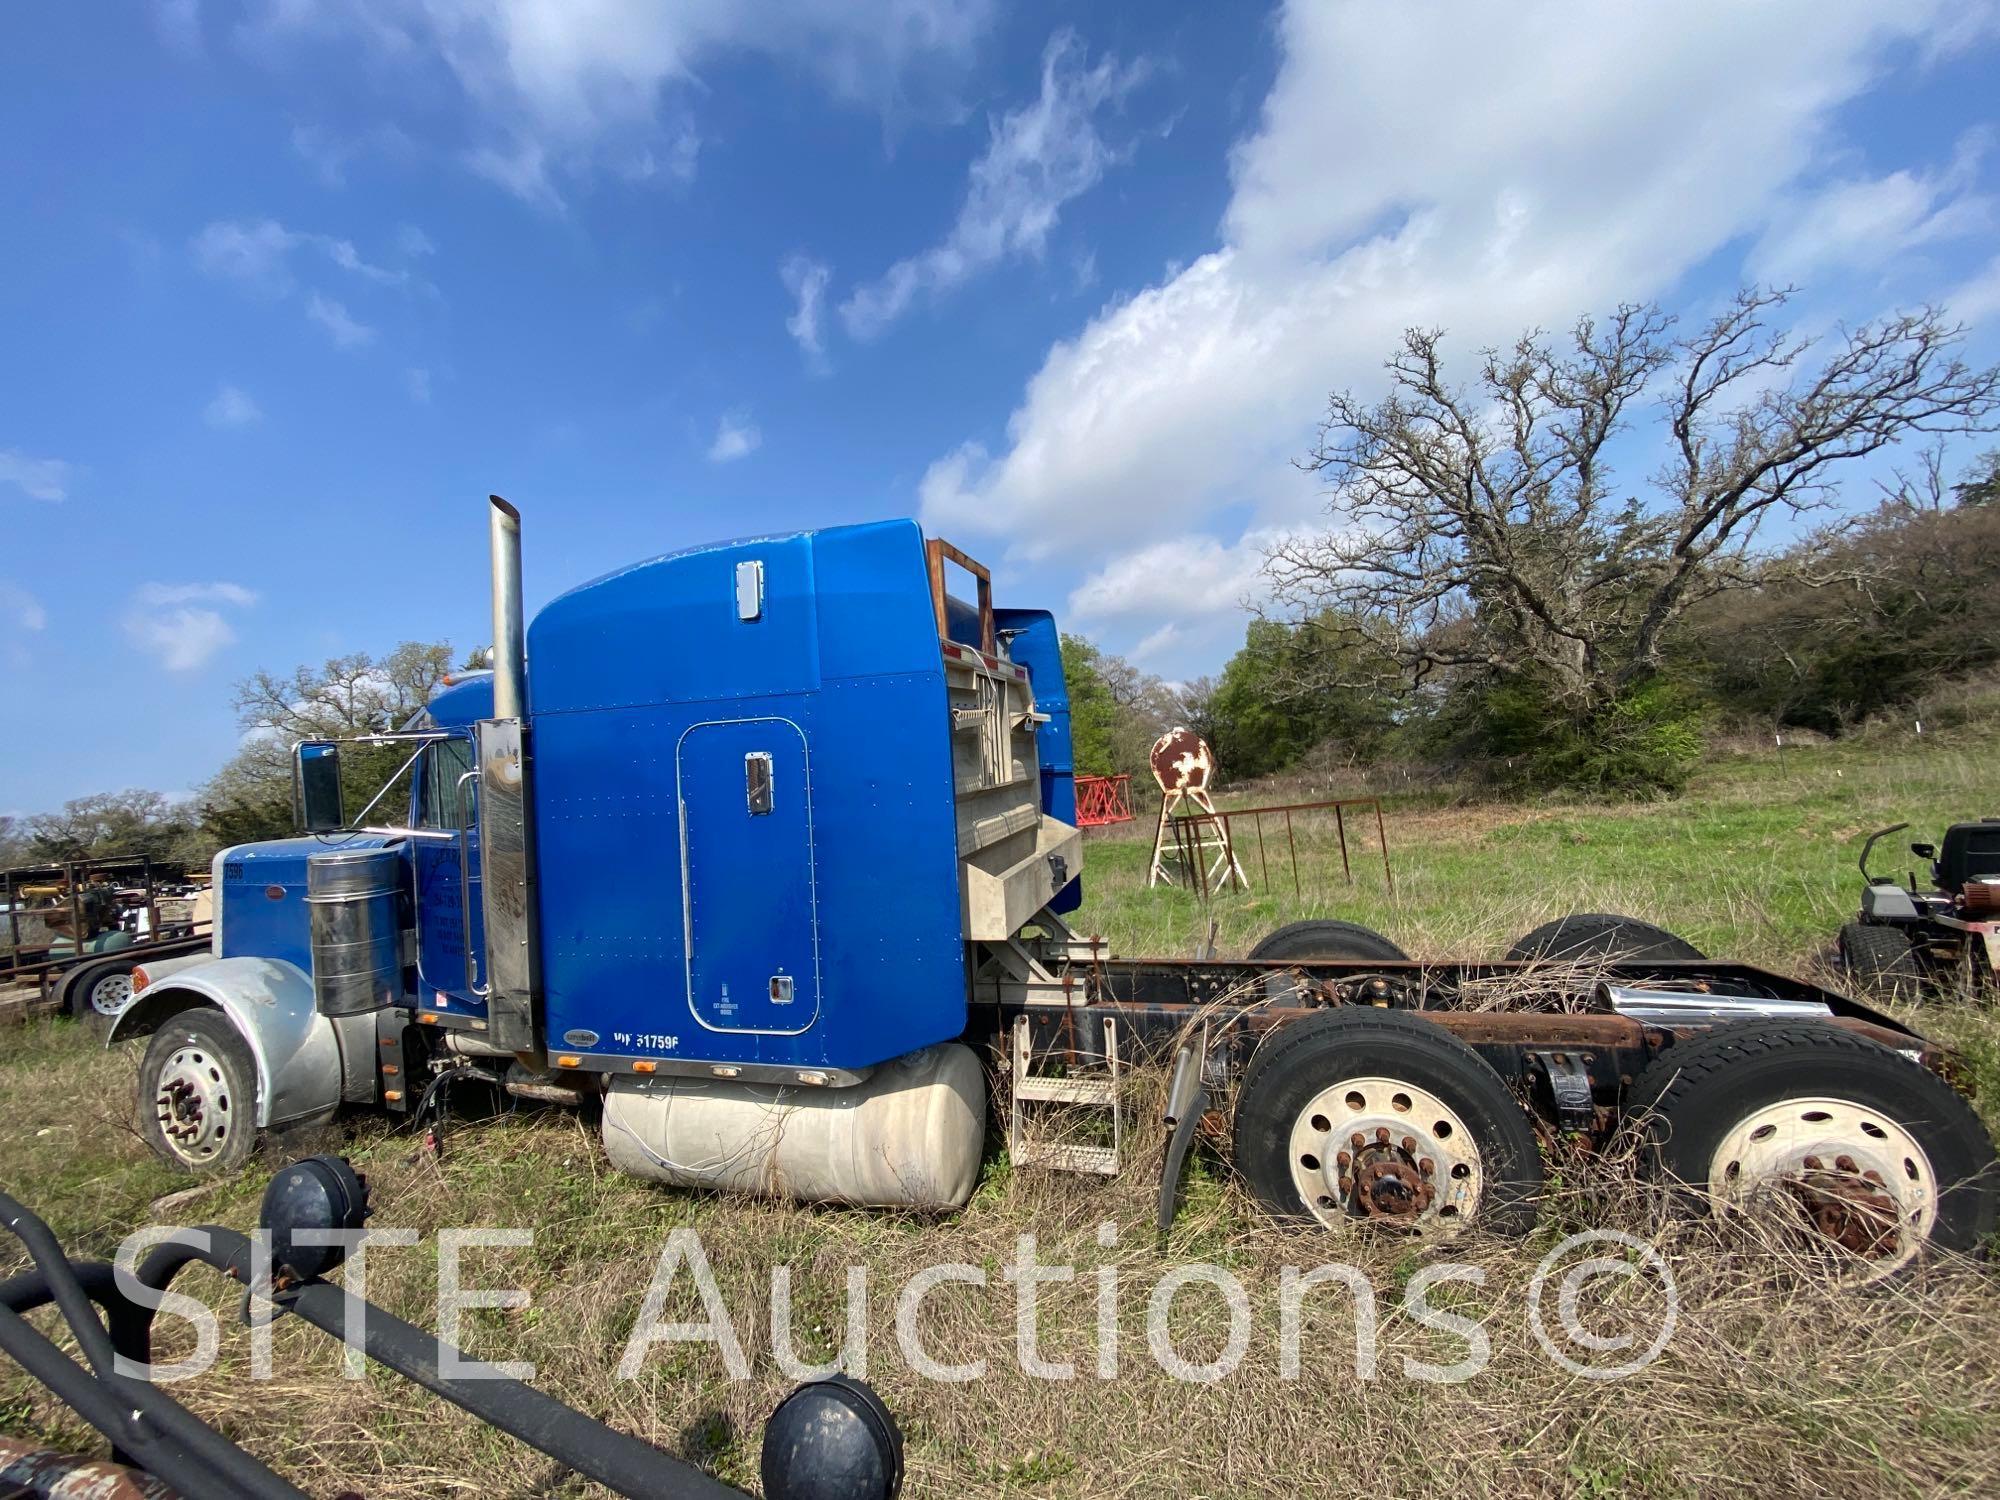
pixel 1094 1091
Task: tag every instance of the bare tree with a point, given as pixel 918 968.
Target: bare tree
pixel 353 694
pixel 1486 530
pixel 250 797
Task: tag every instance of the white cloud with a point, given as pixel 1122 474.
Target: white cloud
pixel 559 91
pixel 37 478
pixel 22 607
pixel 257 254
pixel 195 593
pixel 232 407
pixel 344 255
pixel 806 279
pixel 522 168
pixel 330 155
pixel 736 436
pixel 178 25
pixel 1039 158
pixel 1979 298
pixel 327 154
pixel 341 327
pixel 1186 575
pixel 181 624
pixel 418 383
pixel 1869 223
pixel 21 615
pixel 1526 189
pixel 1165 638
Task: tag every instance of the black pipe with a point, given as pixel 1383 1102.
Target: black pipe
pixel 612 1458
pixel 148 1429
pixel 153 1432
pixel 69 1295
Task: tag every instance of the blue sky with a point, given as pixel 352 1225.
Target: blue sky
pixel 286 286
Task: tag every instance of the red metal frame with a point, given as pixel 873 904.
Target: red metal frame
pixel 1103 799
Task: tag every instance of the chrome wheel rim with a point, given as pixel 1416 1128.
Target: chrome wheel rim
pixel 1856 1178
pixel 194 1104
pixel 1388 1151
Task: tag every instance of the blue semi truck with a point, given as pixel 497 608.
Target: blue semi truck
pixel 762 851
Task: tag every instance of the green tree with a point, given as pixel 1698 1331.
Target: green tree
pixel 1982 485
pixel 1093 713
pixel 1116 711
pixel 1292 689
pixel 138 823
pixel 1862 620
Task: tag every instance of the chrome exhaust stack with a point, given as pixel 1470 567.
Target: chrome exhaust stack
pixel 509 637
pixel 506 812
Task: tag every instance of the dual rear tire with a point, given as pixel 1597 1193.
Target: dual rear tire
pixel 1361 1114
pixel 1824 1133
pixel 1355 1114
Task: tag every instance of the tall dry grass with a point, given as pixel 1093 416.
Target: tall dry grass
pixel 1775 1380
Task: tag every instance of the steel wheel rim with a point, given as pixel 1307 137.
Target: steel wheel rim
pixel 193 1105
pixel 111 994
pixel 1418 1164
pixel 1860 1179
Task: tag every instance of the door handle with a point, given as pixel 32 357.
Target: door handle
pixel 757 782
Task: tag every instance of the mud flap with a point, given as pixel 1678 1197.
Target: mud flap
pixel 1187 1102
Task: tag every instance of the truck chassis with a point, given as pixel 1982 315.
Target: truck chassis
pixel 1586 1048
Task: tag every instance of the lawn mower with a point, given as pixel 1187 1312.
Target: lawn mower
pixel 1907 940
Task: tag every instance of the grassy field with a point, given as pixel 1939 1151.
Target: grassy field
pixel 1770 1380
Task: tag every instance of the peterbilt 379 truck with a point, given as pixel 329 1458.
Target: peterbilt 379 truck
pixel 765 849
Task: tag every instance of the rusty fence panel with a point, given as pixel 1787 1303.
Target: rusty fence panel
pixel 1192 837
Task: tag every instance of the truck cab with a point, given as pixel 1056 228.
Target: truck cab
pixel 731 815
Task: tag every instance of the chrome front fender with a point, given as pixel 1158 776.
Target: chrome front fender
pixel 270 1003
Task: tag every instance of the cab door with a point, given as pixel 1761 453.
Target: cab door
pixel 749 904
pixel 450 953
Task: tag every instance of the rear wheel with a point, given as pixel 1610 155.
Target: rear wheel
pixel 1881 961
pixel 1325 937
pixel 198 1094
pixel 1589 935
pixel 1851 1146
pixel 1362 1114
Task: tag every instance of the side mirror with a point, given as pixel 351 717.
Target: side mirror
pixel 316 801
pixel 1924 851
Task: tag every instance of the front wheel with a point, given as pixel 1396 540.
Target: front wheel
pixel 198 1094
pixel 1364 1114
pixel 1852 1146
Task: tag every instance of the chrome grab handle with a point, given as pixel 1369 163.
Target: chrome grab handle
pixel 465 882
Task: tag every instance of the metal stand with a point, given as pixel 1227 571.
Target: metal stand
pixel 1198 842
